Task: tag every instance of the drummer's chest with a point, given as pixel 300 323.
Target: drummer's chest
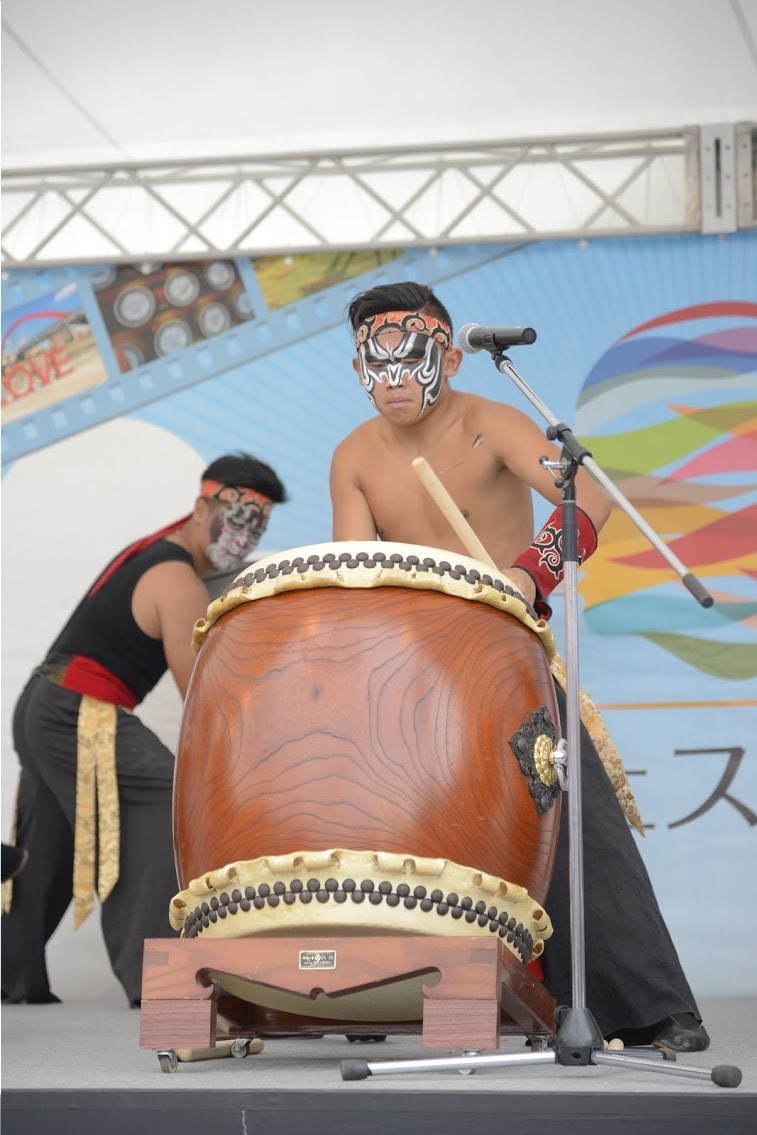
pixel 403 510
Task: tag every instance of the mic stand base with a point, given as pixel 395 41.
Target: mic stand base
pixel 578 1037
pixel 723 1075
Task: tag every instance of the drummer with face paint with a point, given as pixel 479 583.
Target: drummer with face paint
pixel 486 455
pixel 94 807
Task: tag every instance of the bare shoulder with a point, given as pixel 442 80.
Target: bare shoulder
pixel 174 581
pixel 512 436
pixel 481 412
pixel 352 449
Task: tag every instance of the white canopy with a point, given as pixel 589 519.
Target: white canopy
pixel 92 81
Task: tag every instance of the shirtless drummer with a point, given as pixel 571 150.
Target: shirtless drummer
pixel 487 456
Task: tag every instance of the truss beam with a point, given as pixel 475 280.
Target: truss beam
pixel 536 188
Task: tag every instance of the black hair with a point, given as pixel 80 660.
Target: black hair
pixel 245 471
pixel 407 296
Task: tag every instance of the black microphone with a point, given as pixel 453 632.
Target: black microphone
pixel 472 337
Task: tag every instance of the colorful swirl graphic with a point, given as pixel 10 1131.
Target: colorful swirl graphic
pixel 673 421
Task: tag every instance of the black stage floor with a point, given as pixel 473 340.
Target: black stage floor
pixel 77 1068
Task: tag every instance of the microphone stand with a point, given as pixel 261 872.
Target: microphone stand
pixel 578 1040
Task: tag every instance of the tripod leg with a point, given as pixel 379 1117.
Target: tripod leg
pixel 724 1075
pixel 362 1069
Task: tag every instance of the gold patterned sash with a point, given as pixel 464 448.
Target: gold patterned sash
pixel 96 824
pixel 96 832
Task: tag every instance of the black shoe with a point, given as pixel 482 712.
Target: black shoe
pixel 682 1032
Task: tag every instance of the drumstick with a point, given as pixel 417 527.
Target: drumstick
pixel 451 512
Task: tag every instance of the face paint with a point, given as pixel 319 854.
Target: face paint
pixel 404 321
pixel 419 355
pixel 237 526
pixel 415 357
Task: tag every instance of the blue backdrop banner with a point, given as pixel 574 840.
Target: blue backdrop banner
pixel 648 345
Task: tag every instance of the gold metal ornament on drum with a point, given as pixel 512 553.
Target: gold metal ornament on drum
pixel 367 748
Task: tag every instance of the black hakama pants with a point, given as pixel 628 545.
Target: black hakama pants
pixel 44 733
pixel 634 977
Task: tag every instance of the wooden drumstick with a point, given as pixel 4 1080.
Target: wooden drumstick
pixel 451 512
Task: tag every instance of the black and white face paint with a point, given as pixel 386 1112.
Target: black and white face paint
pixel 237 525
pixel 416 357
pixel 234 533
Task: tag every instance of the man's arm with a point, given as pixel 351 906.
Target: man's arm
pixel 520 443
pixel 168 600
pixel 353 519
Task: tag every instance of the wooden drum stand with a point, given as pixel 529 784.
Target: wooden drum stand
pixel 477 991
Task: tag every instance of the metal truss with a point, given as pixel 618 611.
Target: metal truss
pixel 667 181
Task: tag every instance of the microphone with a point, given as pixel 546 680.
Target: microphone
pixel 472 337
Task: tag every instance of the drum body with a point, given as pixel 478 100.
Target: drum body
pixel 381 729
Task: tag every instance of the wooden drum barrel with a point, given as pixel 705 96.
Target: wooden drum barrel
pixel 367 747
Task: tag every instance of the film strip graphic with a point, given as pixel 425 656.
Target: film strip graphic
pixel 84 345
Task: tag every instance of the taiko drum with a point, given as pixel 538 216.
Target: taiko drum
pixel 372 697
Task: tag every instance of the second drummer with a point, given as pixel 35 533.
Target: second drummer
pixel 94 802
pixel 487 456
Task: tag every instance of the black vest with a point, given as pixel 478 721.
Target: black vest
pixel 103 628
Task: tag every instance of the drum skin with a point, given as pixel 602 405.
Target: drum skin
pixel 377 718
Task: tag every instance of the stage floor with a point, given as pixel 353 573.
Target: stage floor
pixel 77 1067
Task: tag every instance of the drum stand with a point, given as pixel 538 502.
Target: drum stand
pixel 472 989
pixel 578 1041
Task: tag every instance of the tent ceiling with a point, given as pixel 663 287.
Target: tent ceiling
pixel 99 80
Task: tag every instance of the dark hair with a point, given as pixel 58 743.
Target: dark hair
pixel 407 296
pixel 245 471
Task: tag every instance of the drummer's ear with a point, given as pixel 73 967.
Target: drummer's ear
pixel 201 508
pixel 452 359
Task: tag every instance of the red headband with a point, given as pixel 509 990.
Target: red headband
pixel 235 494
pixel 404 321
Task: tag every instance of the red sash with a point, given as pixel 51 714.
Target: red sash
pixel 85 676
